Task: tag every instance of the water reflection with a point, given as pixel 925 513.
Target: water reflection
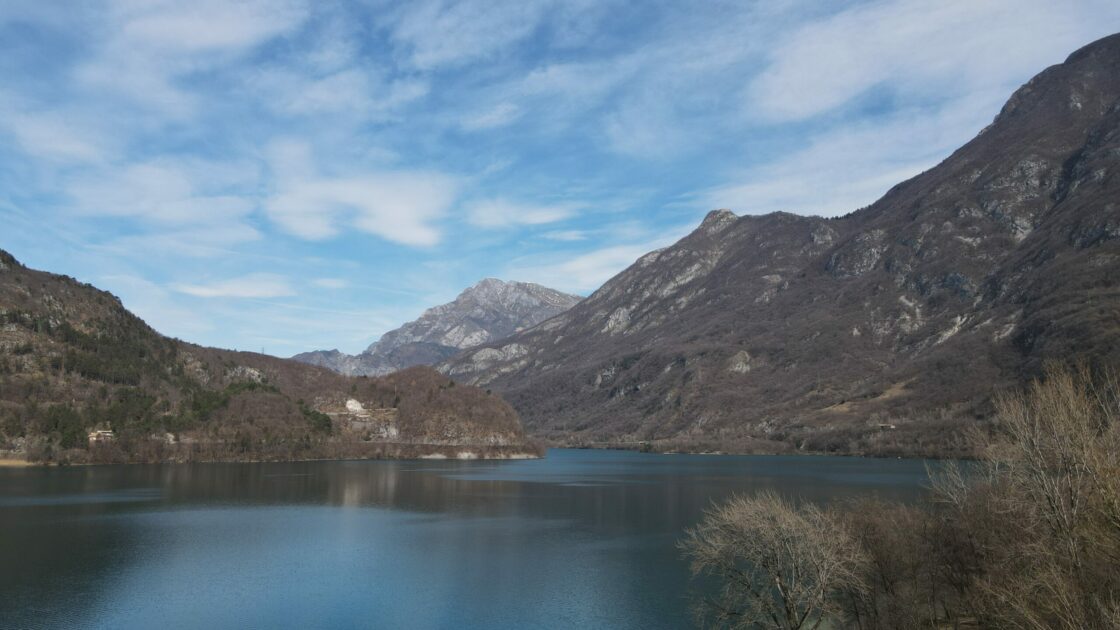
pixel 578 539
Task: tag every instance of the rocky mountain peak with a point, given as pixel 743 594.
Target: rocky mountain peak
pixel 485 288
pixel 717 220
pixel 487 284
pixel 489 310
pixel 7 261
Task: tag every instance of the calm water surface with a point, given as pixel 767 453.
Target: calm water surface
pixel 581 539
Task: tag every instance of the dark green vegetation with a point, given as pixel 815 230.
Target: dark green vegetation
pixel 1031 539
pixel 882 332
pixel 73 360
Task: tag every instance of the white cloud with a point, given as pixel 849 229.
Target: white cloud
pixel 500 213
pixel 437 33
pixel 852 166
pixel 553 96
pixel 653 98
pixel 499 115
pixel 330 283
pixel 211 241
pixel 254 285
pixel 646 126
pixel 399 206
pixel 174 193
pixel 204 25
pixel 353 90
pixel 57 136
pixel 145 46
pixel 577 85
pixel 584 272
pixel 402 207
pixel 565 235
pixel 920 48
pixel 334 47
pixel 587 271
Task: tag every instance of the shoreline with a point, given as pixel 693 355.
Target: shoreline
pixel 12 462
pixel 152 452
pixel 764 453
pixel 23 463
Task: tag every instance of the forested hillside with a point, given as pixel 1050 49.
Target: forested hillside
pixel 74 360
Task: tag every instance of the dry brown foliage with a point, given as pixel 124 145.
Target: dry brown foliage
pixel 1028 539
pixel 1056 475
pixel 781 565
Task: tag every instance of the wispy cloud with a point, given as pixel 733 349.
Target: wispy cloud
pixel 156 193
pixel 645 126
pixel 434 33
pixel 399 206
pixel 565 235
pixel 57 136
pixel 586 271
pixel 254 285
pixel 148 46
pixel 187 153
pixel 330 283
pixel 204 25
pixel 500 213
pixel 497 116
pixel 355 91
pixel 838 172
pixel 915 48
pixel 157 245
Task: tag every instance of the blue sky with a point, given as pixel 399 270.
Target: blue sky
pixel 301 174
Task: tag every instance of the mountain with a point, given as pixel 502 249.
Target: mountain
pixel 488 311
pixel 884 331
pixel 74 360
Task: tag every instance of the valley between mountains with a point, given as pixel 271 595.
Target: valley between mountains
pixel 887 331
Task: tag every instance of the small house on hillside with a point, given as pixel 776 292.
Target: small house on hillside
pixel 101 436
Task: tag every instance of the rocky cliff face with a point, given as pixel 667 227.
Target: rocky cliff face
pixel 73 359
pixel 488 311
pixel 884 331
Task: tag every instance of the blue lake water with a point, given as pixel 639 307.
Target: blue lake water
pixel 580 539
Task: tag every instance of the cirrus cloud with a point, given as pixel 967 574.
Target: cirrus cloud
pixel 253 285
pixel 916 48
pixel 397 205
pixel 500 213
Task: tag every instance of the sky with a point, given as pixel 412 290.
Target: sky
pixel 289 175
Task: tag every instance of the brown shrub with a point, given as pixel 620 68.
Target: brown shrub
pixel 780 566
pixel 1030 538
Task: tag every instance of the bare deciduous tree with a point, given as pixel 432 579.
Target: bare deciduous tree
pixel 1029 538
pixel 780 566
pixel 1058 464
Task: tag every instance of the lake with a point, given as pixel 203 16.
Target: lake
pixel 580 539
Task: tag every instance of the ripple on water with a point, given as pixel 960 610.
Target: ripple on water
pixel 117 496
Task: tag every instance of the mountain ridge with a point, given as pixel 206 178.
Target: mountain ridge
pixel 489 310
pixel 786 332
